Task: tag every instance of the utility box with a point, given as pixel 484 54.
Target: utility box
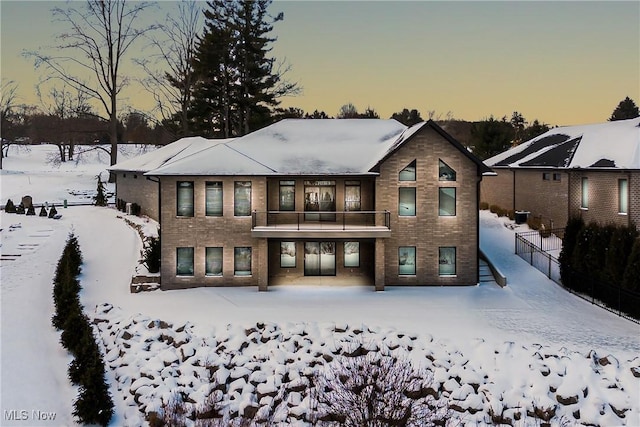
pixel 521 216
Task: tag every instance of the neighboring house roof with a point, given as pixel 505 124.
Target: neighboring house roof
pixel 304 147
pixel 610 145
pixel 166 155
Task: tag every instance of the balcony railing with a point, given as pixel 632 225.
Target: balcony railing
pixel 330 221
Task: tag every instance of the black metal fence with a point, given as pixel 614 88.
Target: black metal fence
pixel 541 249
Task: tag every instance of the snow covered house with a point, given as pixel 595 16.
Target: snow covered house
pixel 591 171
pixel 322 201
pixel 133 187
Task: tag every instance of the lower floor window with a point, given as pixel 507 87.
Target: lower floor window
pixel 213 262
pixel 407 260
pixel 287 254
pixel 242 261
pixel 352 254
pixel 184 261
pixel 447 261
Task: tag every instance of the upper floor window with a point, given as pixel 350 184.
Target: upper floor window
pixel 445 173
pixel 408 173
pixel 352 196
pixel 407 201
pixel 546 176
pixel 447 201
pixel 184 198
pixel 584 199
pixel 213 198
pixel 242 198
pixel 557 176
pixel 623 196
pixel 287 196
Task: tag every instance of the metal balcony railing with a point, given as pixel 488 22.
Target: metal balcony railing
pixel 343 220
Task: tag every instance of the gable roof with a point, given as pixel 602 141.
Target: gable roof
pixel 304 147
pixel 610 145
pixel 167 154
pixel 408 134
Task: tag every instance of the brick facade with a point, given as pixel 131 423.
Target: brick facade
pixel 603 206
pixel 428 231
pixel 134 187
pixel 498 190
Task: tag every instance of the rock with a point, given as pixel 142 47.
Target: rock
pixel 619 412
pixel 635 371
pixel 569 400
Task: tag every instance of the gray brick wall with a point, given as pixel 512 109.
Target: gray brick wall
pixel 546 199
pixel 603 197
pixel 498 190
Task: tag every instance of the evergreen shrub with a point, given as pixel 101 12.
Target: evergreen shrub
pixel 631 278
pixel 31 210
pixel 43 211
pixel 10 207
pixel 571 231
pixel 151 254
pixel 53 211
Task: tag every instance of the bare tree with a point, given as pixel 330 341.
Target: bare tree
pixel 170 75
pixel 7 104
pixel 98 39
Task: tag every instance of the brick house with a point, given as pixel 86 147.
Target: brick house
pixel 591 171
pixel 133 187
pixel 322 201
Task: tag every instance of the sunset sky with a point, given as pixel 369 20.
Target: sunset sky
pixel 562 62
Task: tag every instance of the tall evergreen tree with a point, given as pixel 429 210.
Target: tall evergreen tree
pixel 626 109
pixel 490 137
pixel 239 84
pixel 406 117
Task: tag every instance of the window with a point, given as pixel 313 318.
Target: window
pixel 135 176
pixel 213 198
pixel 213 262
pixel 407 201
pixel 445 172
pixel 242 261
pixel 352 254
pixel 407 260
pixel 287 254
pixel 185 198
pixel 623 196
pixel 447 261
pixel 242 198
pixel 584 201
pixel 408 173
pixel 287 196
pixel 352 196
pixel 184 261
pixel 546 176
pixel 447 201
pixel 557 177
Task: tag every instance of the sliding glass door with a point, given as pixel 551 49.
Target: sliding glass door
pixel 319 196
pixel 320 258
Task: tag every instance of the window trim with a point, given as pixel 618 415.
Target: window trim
pixel 178 274
pixel 584 193
pixel 178 190
pixel 415 201
pixel 455 261
pixel 236 187
pixel 206 250
pixel 206 187
pixel 415 256
pixel 455 201
pixel 623 194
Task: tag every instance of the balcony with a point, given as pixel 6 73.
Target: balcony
pixel 353 224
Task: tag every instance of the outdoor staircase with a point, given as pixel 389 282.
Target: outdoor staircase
pixel 486 276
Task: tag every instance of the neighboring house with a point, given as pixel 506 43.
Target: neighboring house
pixel 592 171
pixel 323 201
pixel 133 187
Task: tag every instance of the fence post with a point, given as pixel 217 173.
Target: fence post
pixel 549 261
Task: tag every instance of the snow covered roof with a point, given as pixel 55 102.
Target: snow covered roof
pixel 166 155
pixel 304 147
pixel 610 145
pixel 296 147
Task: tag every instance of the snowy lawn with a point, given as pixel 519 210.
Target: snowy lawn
pixel 518 347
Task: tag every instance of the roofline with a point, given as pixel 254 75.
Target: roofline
pixel 571 169
pixel 482 168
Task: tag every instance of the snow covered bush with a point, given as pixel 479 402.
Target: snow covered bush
pixel 571 231
pixel 53 211
pixel 375 389
pixel 631 280
pixel 43 211
pixel 151 253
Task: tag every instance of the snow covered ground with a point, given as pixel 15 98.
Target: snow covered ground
pixel 511 336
